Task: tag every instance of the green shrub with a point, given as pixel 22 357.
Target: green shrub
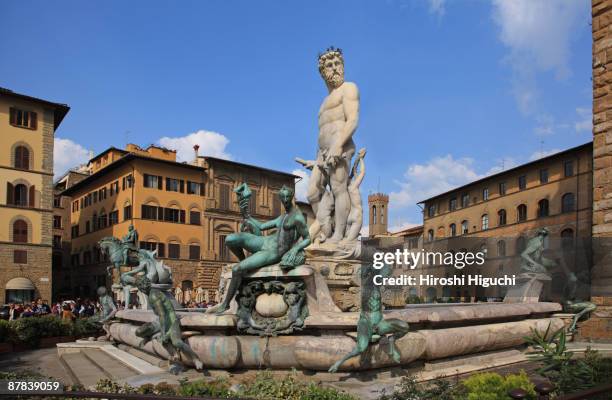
pixel 410 389
pixel 267 387
pixel 110 386
pixel 83 327
pixel 216 388
pixel 6 331
pixel 493 386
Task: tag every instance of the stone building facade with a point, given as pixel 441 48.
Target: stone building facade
pixel 599 326
pixel 62 275
pixel 27 128
pixel 498 214
pixel 183 210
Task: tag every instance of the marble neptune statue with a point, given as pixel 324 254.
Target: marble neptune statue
pixel 330 178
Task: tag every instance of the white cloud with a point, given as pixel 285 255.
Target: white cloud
pixel 301 187
pixel 502 165
pixel 585 122
pixel 66 155
pixel 541 154
pixel 211 144
pixel 437 7
pixel 537 34
pixel 437 176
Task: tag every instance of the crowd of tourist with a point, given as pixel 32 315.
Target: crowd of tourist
pixel 66 309
pixel 72 309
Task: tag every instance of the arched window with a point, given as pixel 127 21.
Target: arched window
pixel 20 231
pixel 521 212
pixel 374 215
pixel 382 214
pixel 485 222
pixel 453 230
pixel 464 227
pixel 501 248
pixel 501 217
pixel 568 203
pixel 20 195
pixel 187 285
pixel 484 250
pixel 520 244
pixel 22 157
pixel 542 208
pixel 431 294
pixel 567 239
pixel 430 235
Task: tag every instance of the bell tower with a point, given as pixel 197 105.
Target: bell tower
pixel 378 206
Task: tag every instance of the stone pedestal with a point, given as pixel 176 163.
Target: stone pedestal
pixel 343 279
pixel 528 288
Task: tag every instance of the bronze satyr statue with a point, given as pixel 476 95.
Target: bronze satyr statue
pixel 372 325
pixel 167 328
pixel 285 246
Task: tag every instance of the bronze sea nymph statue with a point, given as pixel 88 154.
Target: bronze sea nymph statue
pixel 285 246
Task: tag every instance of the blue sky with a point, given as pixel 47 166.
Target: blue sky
pixel 450 90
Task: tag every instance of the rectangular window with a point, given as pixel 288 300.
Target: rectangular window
pixel 152 181
pixel 223 250
pixel 502 188
pixel 57 202
pixel 544 175
pixel 485 194
pixel 174 250
pixel 452 204
pixel 20 256
pixel 171 215
pixel 95 197
pixel 113 218
pixel 522 182
pixel 224 197
pixel 127 212
pixel 568 168
pixel 253 202
pixel 102 221
pixel 173 185
pixel 194 188
pixel 74 232
pixel 148 212
pixel 194 218
pixel 153 246
pixel 74 260
pixel 194 252
pixel 57 241
pixel 276 204
pixel 87 227
pixel 23 119
pixel 465 200
pixel 57 222
pixel 87 257
pixel 431 210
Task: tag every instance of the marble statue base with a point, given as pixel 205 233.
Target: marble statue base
pixel 528 288
pixel 437 332
pixel 343 278
pixel 336 250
